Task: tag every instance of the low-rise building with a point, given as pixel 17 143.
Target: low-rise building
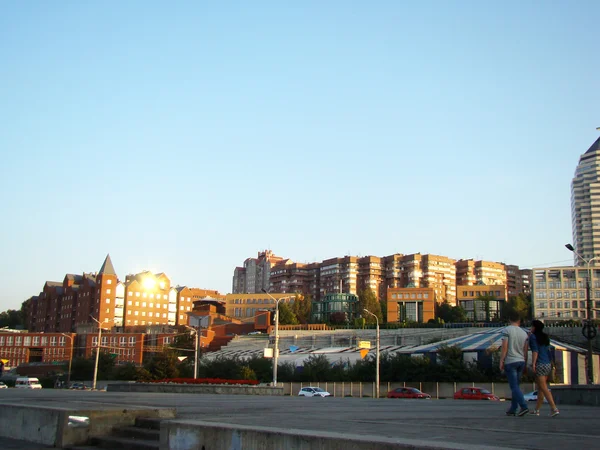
pixel 482 303
pixel 410 304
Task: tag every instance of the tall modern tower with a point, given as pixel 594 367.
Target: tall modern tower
pixel 585 204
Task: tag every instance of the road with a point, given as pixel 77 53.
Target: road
pixel 440 421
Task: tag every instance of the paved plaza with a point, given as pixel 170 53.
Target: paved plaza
pixel 442 422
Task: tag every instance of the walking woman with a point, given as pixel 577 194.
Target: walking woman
pixel 539 342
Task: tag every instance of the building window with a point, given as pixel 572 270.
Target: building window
pixel 129 303
pixel 108 300
pixel 27 342
pixel 137 294
pixel 53 341
pixel 136 313
pixel 108 291
pixel 44 340
pixel 143 304
pixel 150 314
pixel 36 340
pixel 151 305
pixel 129 294
pixel 108 281
pixel 18 340
pixel 132 341
pixel 123 341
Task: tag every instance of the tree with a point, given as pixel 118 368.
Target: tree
pixel 286 316
pixel 302 308
pixel 383 307
pixel 337 318
pixel 316 368
pixel 11 319
pixel 82 369
pixel 131 372
pixel 106 365
pixel 521 304
pixel 451 314
pixel 368 300
pixel 163 365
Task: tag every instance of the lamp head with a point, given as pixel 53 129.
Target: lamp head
pixel 569 247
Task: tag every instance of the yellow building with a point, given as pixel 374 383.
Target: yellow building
pixel 410 304
pixel 243 306
pixel 482 303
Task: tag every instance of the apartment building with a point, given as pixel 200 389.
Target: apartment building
pixel 482 303
pixel 518 281
pixel 410 304
pixel 585 205
pixel 433 271
pixel 371 275
pixel 338 275
pixel 470 272
pixel 63 306
pixel 149 300
pixel 559 293
pixel 289 277
pixel 254 275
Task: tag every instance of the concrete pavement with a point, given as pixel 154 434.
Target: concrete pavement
pixel 439 422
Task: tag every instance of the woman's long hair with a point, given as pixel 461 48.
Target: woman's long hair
pixel 541 337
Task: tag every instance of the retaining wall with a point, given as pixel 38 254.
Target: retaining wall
pixel 175 388
pixel 196 434
pixel 65 427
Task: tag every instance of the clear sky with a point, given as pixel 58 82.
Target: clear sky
pixel 184 137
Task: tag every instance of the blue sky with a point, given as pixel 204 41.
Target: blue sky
pixel 187 137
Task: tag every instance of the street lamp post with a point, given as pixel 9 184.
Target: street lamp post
pixel 97 351
pixel 70 359
pixel 376 353
pixel 276 347
pixel 196 345
pixel 589 330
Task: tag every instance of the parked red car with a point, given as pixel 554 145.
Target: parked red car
pixel 474 393
pixel 407 392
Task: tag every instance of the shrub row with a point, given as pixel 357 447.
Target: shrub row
pixel 203 381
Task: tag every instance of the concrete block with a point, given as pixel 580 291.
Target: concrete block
pixel 194 435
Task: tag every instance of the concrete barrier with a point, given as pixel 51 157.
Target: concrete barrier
pixel 176 388
pixel 195 434
pixel 586 395
pixel 65 427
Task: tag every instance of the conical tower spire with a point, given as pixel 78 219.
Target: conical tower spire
pixel 107 268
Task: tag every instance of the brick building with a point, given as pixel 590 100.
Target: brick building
pixel 35 347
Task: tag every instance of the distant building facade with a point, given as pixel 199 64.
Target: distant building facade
pixel 585 205
pixel 559 293
pixel 255 273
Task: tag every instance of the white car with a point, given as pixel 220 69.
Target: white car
pixel 2 385
pixel 532 397
pixel 313 392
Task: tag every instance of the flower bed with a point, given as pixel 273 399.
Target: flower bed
pixel 204 381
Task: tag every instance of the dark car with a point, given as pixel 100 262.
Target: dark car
pixel 79 387
pixel 407 392
pixel 474 393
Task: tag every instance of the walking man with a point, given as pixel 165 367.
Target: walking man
pixel 513 361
